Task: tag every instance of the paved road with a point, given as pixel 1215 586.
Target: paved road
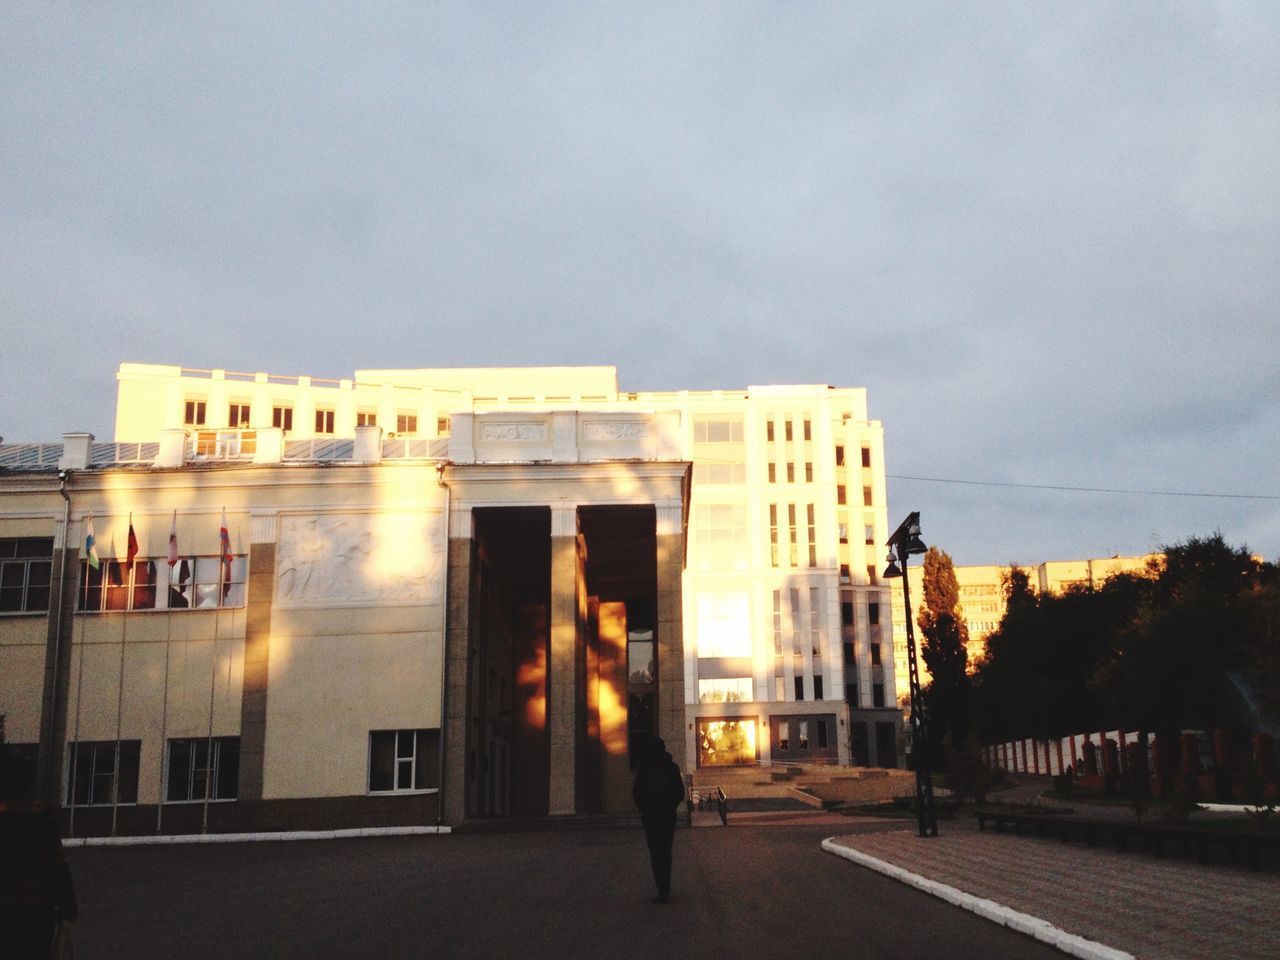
pixel 742 892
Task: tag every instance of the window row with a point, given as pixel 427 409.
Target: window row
pixel 239 415
pixel 193 583
pixel 798 688
pixel 105 772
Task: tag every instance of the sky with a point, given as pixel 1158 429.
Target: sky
pixel 1045 237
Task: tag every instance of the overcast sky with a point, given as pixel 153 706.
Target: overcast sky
pixel 1046 237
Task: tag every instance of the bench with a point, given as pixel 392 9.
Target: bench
pixel 1153 837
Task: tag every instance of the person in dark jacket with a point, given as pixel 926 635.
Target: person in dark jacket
pixel 658 792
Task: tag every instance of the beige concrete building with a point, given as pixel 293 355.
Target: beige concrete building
pixel 982 601
pixel 477 613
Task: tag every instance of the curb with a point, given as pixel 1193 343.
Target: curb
pixel 251 837
pixel 1024 923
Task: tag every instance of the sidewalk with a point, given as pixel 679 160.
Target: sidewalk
pixel 1171 909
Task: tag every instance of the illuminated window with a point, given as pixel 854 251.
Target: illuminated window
pixel 804 735
pixel 796 643
pixel 402 761
pixel 726 742
pixel 238 415
pixel 735 690
pixel 193 413
pixel 718 473
pixel 723 624
pixel 202 768
pixel 791 527
pixel 869 534
pixel 324 421
pixel 282 417
pixel 808 471
pixel 843 530
pixel 773 534
pixel 718 537
pixel 102 772
pixel 366 418
pixel 26 566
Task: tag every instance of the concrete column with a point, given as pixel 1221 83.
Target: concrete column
pixel 672 722
pixel 257 650
pixel 562 687
pixel 457 641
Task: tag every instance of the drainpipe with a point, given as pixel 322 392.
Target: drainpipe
pixel 444 643
pixel 46 785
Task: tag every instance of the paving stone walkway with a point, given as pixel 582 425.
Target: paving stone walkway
pixel 1171 909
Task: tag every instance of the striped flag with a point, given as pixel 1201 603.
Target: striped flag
pixel 173 540
pixel 90 545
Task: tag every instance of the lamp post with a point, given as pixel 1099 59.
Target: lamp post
pixel 905 542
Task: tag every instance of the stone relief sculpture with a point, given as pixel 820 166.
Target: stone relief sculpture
pixel 340 560
pixel 604 431
pixel 490 432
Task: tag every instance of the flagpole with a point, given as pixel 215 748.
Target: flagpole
pixel 124 637
pixel 213 679
pixel 171 558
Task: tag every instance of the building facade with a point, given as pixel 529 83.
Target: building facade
pixel 474 614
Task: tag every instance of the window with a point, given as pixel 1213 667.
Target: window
pixel 723 624
pixel 720 473
pixel 812 536
pixel 843 530
pixel 877 694
pixel 642 676
pixel 282 417
pixel 773 473
pixel 808 471
pixel 773 533
pixel 718 537
pixel 875 654
pixel 846 613
pixel 871 574
pixel 866 456
pixel 804 735
pixel 786 427
pixel 224 444
pixel 365 418
pixel 403 760
pixel 869 534
pixel 844 573
pixel 200 583
pixel 407 423
pixel 851 691
pixel 791 472
pixel 735 690
pixel 780 689
pixel 799 688
pixel 842 494
pixel 866 497
pixel 796 647
pixel 873 612
pixel 848 652
pixel 815 618
pixel 324 421
pixel 26 566
pixel 777 623
pixel 817 689
pixel 237 415
pixel 839 456
pixel 791 526
pixel 717 431
pixel 203 767
pixel 822 732
pixel 784 735
pixel 768 431
pixel 808 429
pixel 442 426
pixel 102 772
pixel 193 413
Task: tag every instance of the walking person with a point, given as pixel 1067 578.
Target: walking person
pixel 658 792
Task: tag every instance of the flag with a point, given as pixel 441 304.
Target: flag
pixel 224 539
pixel 90 548
pixel 173 541
pixel 133 544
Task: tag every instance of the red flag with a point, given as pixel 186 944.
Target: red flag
pixel 133 543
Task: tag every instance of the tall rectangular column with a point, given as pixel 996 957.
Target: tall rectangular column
pixel 457 643
pixel 257 648
pixel 672 724
pixel 562 685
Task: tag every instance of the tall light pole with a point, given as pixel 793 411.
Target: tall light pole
pixel 905 542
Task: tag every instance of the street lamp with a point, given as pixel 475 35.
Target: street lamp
pixel 905 542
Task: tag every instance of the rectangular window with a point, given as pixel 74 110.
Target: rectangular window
pixel 784 735
pixel 842 494
pixel 238 415
pixel 839 456
pixel 324 421
pixel 791 472
pixel 735 690
pixel 844 573
pixel 787 431
pixel 866 497
pixel 812 535
pixel 719 473
pixel 282 417
pixel 848 652
pixel 773 473
pixel 407 423
pixel 773 534
pixel 401 761
pixel 846 613
pixel 877 694
pixel 869 534
pixel 808 471
pixel 873 612
pixel 822 732
pixel 866 456
pixel 843 530
pixel 717 431
pixel 817 689
pixel 366 418
pixel 202 766
pixel 780 689
pixel 851 691
pixel 808 429
pixel 102 772
pixel 777 622
pixel 815 618
pixel 875 654
pixel 718 537
pixel 871 574
pixel 791 526
pixel 796 646
pixel 26 566
pixel 442 426
pixel 768 430
pixel 193 413
pixel 804 735
pixel 193 583
pixel 799 682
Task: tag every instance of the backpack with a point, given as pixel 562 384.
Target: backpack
pixel 661 790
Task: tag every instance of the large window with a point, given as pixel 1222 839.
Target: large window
pixel 282 417
pixel 238 414
pixel 734 690
pixel 193 583
pixel 719 535
pixel 407 423
pixel 203 768
pixel 717 431
pixel 324 421
pixel 401 761
pixel 193 413
pixel 723 742
pixel 25 568
pixel 724 624
pixel 103 772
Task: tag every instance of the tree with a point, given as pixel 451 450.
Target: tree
pixel 945 652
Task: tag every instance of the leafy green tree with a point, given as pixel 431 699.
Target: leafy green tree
pixel 945 636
